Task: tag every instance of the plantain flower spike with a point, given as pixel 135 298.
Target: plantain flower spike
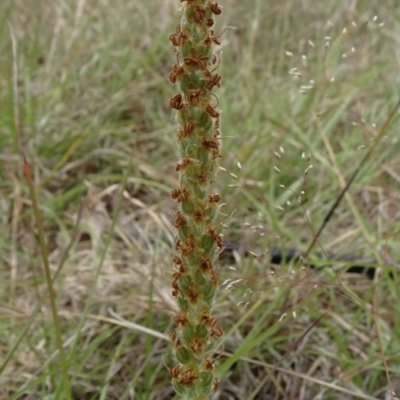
pixel 195 280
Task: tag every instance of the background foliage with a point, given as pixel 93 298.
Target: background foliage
pixel 298 77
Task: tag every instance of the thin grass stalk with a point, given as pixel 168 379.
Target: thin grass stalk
pixel 66 386
pixel 49 281
pixel 195 280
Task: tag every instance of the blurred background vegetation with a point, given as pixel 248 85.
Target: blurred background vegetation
pixel 304 83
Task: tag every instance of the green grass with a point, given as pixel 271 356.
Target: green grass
pixel 99 138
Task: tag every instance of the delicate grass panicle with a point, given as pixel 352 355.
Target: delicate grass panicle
pixel 195 280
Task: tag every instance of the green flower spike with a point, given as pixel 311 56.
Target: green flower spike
pixel 195 281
